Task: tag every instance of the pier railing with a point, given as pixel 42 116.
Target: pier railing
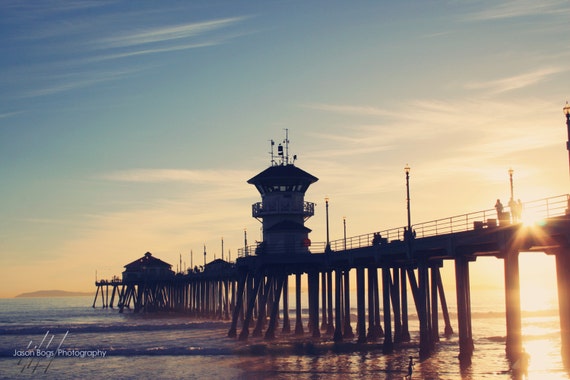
pixel 261 209
pixel 532 211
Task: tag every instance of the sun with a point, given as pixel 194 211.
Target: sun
pixel 532 218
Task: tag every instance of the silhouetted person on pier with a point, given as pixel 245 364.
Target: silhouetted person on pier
pixel 501 215
pixel 377 239
pixel 409 234
pixel 499 208
pixel 514 210
pixel 410 368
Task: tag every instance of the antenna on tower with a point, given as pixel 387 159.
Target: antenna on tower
pixel 280 152
pixel 286 142
pixel 272 155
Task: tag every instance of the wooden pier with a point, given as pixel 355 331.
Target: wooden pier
pixel 253 292
pixel 387 265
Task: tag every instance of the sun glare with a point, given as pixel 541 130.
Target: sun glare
pixel 538 288
pixel 531 218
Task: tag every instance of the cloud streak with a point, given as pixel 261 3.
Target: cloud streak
pixel 521 8
pixel 168 33
pixel 175 175
pixel 516 82
pixel 467 128
pixel 359 110
pixel 68 55
pixel 69 82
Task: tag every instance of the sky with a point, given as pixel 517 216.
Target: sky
pixel 128 127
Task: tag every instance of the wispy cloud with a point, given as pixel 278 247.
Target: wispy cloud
pixel 516 82
pixel 360 110
pixel 68 82
pixel 492 128
pixel 67 55
pixel 157 50
pixel 175 175
pixel 521 8
pixel 168 33
pixel 7 115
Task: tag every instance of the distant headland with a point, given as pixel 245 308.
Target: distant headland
pixel 53 293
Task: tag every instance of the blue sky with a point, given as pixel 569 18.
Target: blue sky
pixel 128 127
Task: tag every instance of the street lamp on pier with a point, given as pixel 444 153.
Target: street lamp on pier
pixel 246 253
pixel 328 247
pixel 344 225
pixel 511 171
pixel 407 171
pixel 566 110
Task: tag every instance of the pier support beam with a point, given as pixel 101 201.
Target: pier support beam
pixel 563 282
pixel 298 319
pixel 372 305
pixel 337 337
pixel 347 330
pixel 434 305
pixel 324 300
pixel 404 303
pixel 250 306
pixel 262 306
pixel 448 329
pixel 360 307
pixel 424 310
pixel 395 295
pixel 388 346
pixel 270 333
pixel 313 278
pixel 286 322
pixel 232 333
pixel 513 304
pixel 330 323
pixel 463 308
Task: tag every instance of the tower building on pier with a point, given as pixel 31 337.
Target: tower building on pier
pixel 283 209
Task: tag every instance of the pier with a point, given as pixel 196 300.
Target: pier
pixel 253 292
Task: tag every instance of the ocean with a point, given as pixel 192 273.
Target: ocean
pixel 73 340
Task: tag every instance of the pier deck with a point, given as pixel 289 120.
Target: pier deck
pixel 253 292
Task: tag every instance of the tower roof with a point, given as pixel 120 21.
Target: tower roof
pixel 147 261
pixel 282 174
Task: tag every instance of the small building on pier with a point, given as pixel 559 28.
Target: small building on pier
pixel 147 267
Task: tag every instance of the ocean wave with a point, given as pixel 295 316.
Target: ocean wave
pixel 110 328
pixel 170 351
pixel 149 351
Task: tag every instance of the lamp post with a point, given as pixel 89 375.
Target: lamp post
pixel 328 247
pixel 407 171
pixel 344 225
pixel 511 171
pixel 566 110
pixel 245 242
